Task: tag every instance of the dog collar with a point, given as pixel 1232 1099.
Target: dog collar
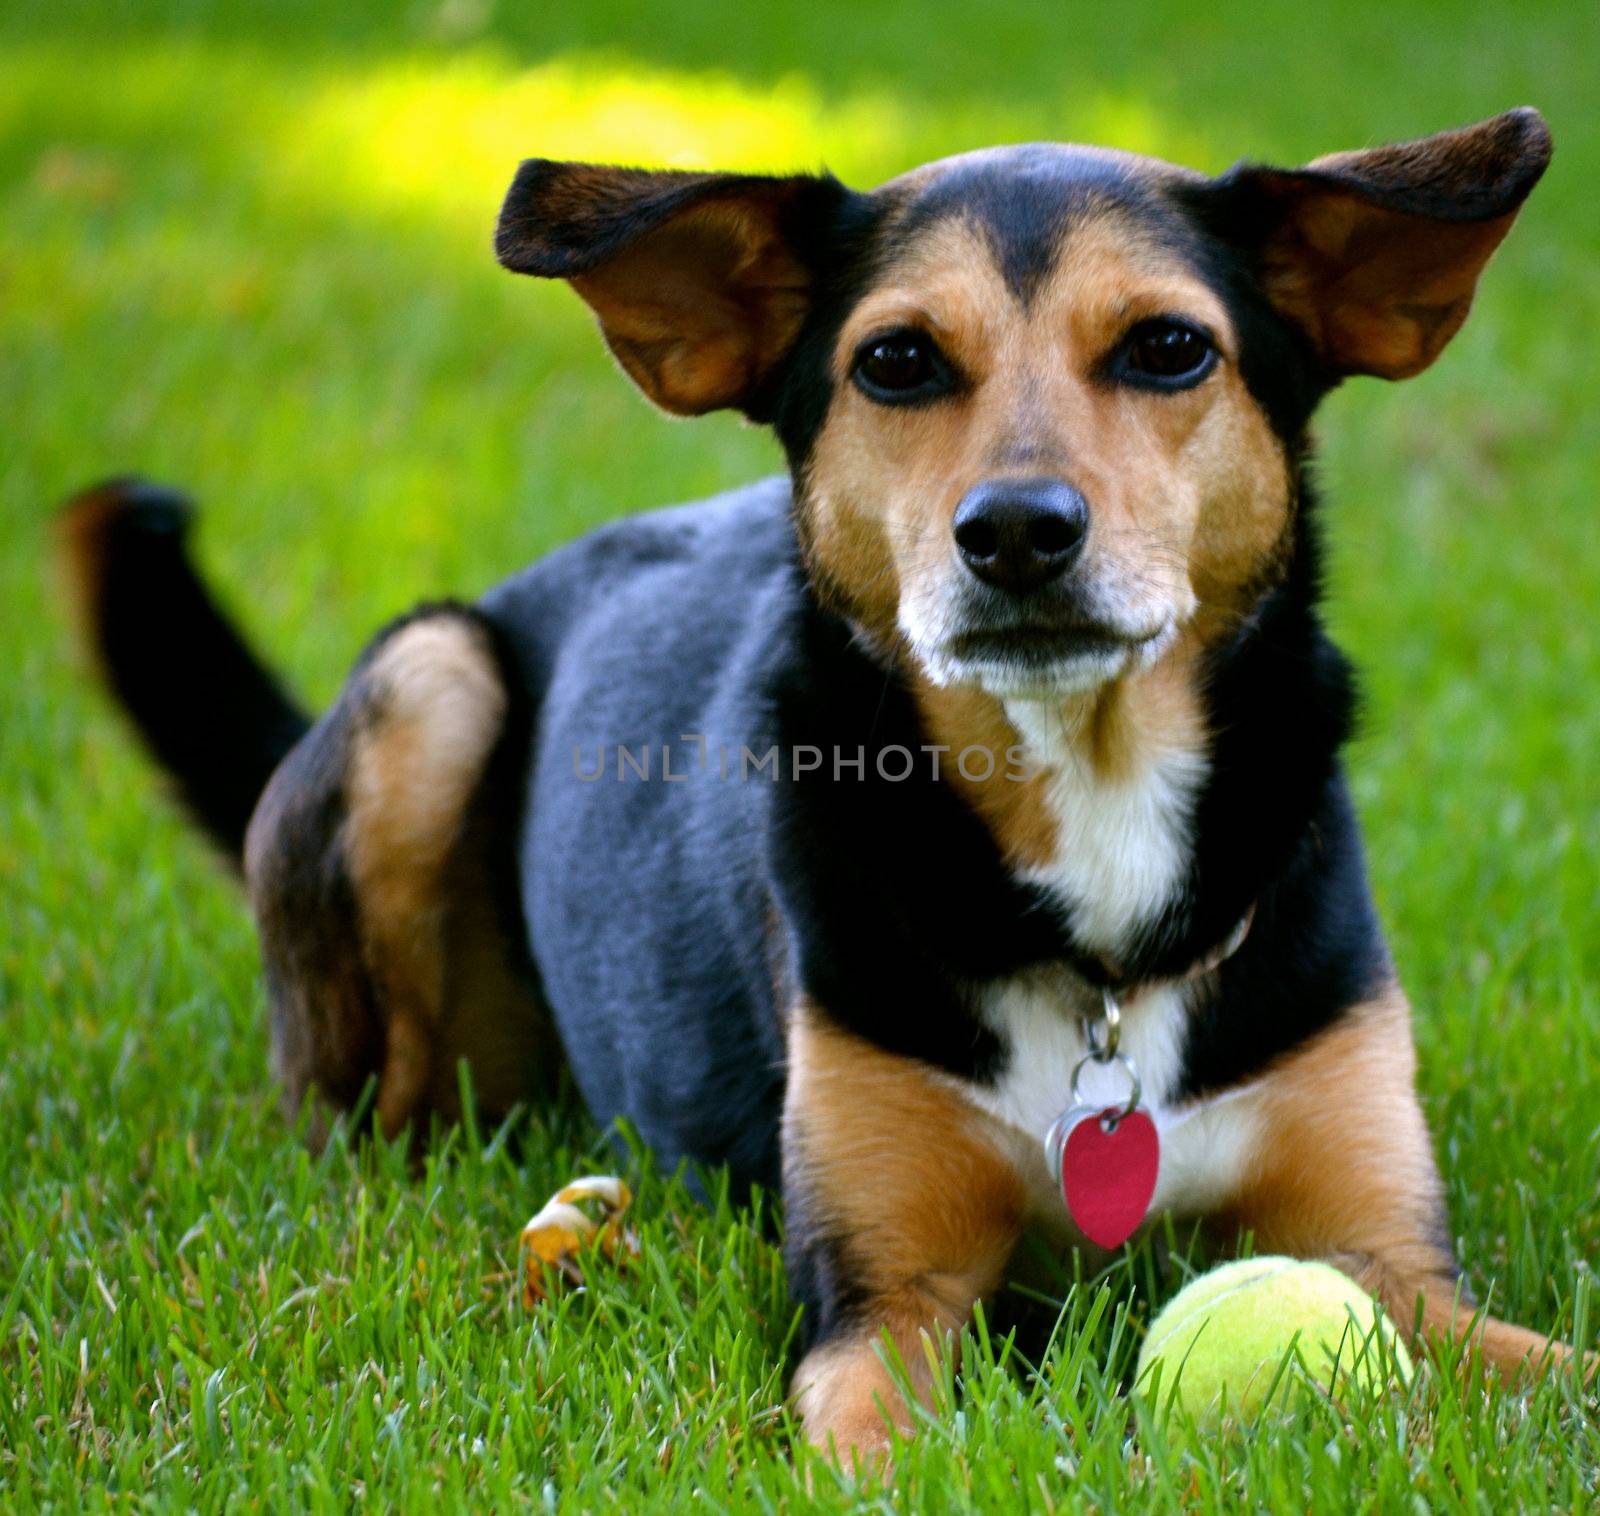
pixel 1108 1158
pixel 1109 976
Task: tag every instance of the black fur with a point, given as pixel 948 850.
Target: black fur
pixel 208 710
pixel 1026 208
pixel 563 219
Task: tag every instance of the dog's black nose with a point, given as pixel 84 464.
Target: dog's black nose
pixel 1018 534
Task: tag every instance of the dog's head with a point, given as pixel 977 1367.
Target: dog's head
pixel 1043 404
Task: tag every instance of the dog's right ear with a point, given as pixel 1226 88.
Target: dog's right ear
pixel 700 281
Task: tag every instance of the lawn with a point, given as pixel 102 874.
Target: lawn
pixel 245 248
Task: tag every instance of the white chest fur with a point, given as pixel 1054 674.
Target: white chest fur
pixel 1123 845
pixel 1205 1146
pixel 1122 841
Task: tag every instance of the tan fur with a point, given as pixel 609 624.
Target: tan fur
pixel 81 539
pixel 1364 259
pixel 1159 707
pixel 1345 1171
pixel 491 1016
pixel 327 1031
pixel 371 865
pixel 1391 311
pixel 1119 726
pixel 894 1164
pixel 1014 809
pixel 698 311
pixel 438 706
pixel 1189 493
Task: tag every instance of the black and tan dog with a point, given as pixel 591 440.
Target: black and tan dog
pixel 809 824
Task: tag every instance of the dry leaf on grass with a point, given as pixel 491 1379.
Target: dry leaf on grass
pixel 554 1239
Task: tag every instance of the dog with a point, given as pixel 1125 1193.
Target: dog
pixel 976 783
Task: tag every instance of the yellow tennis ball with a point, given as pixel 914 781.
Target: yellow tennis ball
pixel 1226 1335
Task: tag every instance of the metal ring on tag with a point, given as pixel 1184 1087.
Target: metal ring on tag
pixel 1135 1088
pixel 1111 1022
pixel 1055 1140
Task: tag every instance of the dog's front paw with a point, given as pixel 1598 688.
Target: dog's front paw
pixel 849 1406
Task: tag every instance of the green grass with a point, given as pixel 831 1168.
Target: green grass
pixel 246 250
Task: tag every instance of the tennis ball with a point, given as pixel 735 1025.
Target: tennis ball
pixel 1225 1337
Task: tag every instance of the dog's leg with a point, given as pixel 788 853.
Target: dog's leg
pixel 1345 1172
pixel 900 1216
pixel 380 867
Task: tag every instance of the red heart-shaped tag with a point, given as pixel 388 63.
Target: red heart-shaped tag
pixel 1108 1174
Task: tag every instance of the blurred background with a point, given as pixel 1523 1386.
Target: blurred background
pixel 245 248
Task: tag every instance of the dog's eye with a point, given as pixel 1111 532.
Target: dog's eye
pixel 900 368
pixel 1167 354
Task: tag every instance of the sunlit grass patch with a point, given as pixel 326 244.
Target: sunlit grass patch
pixel 441 136
pixel 438 136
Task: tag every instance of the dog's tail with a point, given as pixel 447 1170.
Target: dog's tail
pixel 209 711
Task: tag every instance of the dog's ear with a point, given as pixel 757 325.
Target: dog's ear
pixel 1375 254
pixel 700 281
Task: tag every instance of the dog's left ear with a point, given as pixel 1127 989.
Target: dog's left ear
pixel 700 281
pixel 1375 254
